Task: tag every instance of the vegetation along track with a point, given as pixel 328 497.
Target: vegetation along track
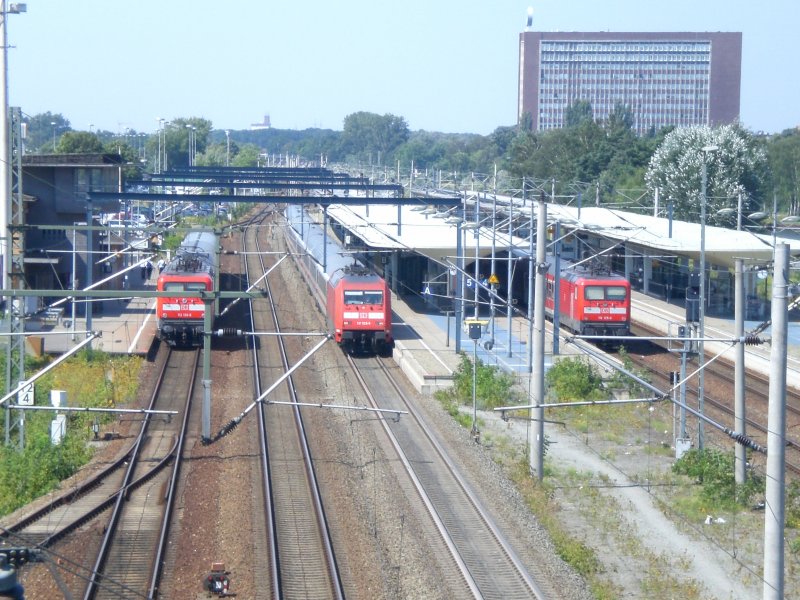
pixel 719 384
pixel 487 566
pixel 302 562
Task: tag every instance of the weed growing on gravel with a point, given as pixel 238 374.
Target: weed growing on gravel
pixel 657 583
pixel 570 549
pixel 611 531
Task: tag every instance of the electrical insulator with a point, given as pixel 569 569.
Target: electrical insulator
pixel 228 332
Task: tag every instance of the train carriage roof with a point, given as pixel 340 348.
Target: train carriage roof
pixel 197 253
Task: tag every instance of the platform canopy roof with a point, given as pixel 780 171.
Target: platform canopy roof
pixel 432 233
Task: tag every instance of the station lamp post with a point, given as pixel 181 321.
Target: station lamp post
pixel 6 9
pixel 228 148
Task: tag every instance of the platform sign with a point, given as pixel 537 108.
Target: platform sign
pixel 427 290
pixel 25 395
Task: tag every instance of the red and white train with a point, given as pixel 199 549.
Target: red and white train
pixel 359 310
pixel 181 318
pixel 357 302
pixel 590 303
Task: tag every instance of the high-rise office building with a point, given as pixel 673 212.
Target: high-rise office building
pixel 680 79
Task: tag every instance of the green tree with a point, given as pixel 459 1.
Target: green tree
pixel 74 142
pixel 423 148
pixel 42 129
pixel 738 165
pixel 247 156
pixel 526 122
pixel 367 133
pixel 494 386
pixel 714 471
pixel 577 113
pixel 784 160
pixel 214 156
pixel 620 121
pixel 178 136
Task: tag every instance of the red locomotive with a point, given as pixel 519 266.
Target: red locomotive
pixel 359 311
pixel 590 303
pixel 180 319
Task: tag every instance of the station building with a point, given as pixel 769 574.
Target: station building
pixel 55 188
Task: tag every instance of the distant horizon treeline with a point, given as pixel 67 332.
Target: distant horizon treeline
pixel 605 157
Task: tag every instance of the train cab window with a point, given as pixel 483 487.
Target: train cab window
pixel 616 292
pixel 605 292
pixel 594 292
pixel 363 297
pixel 184 286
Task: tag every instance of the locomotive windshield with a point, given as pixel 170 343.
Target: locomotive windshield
pixel 605 292
pixel 184 286
pixel 363 297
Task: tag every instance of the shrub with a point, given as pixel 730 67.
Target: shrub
pixel 714 471
pixel 574 379
pixel 494 387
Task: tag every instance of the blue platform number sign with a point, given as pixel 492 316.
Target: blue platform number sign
pixel 469 283
pixel 427 290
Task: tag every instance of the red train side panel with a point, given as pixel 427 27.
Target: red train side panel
pixel 359 311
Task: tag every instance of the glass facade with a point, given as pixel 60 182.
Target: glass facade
pixel 661 82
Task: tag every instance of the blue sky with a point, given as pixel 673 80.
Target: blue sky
pixel 440 64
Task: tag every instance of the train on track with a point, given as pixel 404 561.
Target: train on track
pixel 359 310
pixel 356 301
pixel 193 268
pixel 590 302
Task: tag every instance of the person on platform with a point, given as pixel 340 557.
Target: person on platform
pixel 161 265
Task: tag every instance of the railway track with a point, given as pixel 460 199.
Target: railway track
pixel 130 559
pixel 486 565
pixel 719 388
pixel 301 558
pixel 124 487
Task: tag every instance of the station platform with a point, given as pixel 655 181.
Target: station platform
pixel 425 341
pixel 126 326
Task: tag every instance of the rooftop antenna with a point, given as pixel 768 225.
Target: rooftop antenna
pixel 530 19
